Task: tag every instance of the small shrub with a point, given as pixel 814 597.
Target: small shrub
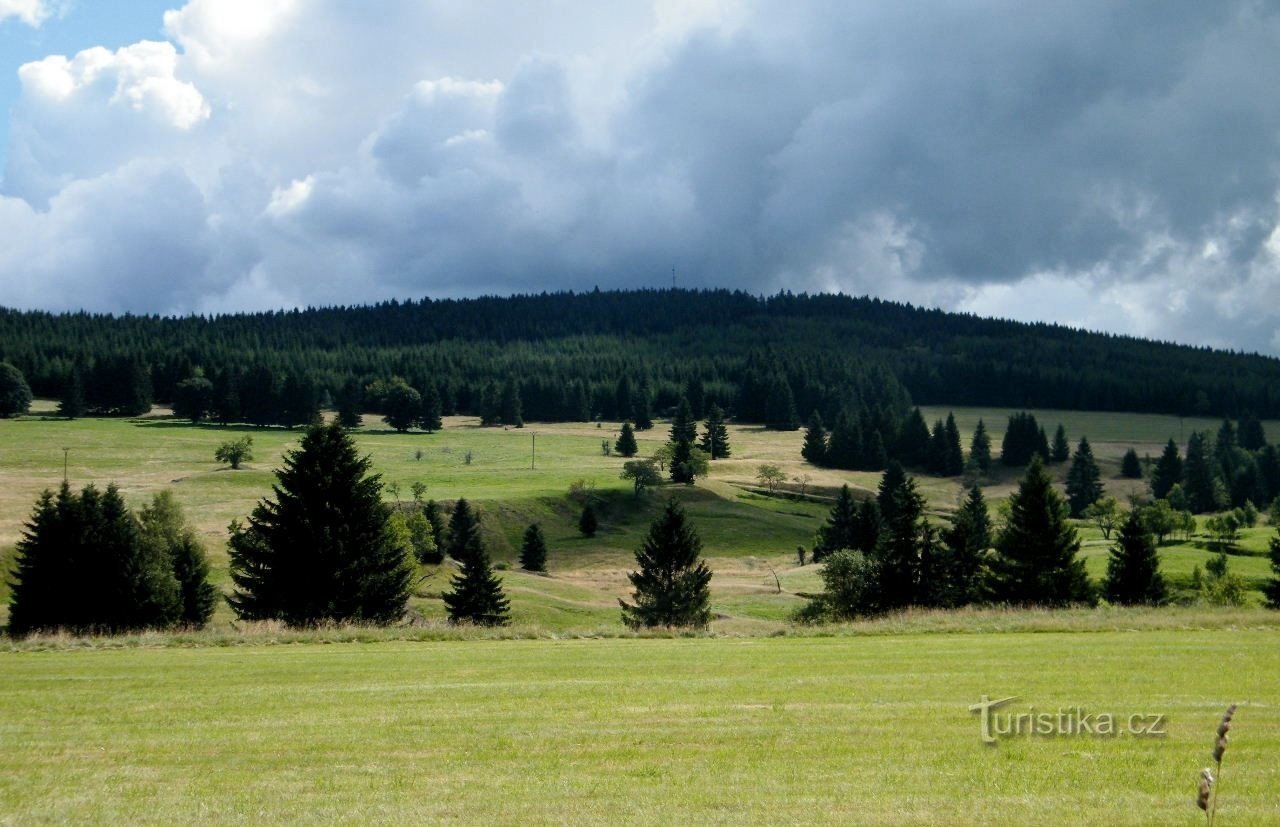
pixel 236 452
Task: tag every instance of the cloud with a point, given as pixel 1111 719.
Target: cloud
pixel 31 12
pixel 1085 163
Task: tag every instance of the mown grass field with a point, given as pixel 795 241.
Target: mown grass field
pixel 862 729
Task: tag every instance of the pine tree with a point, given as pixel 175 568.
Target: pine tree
pixel 1061 450
pixel 914 440
pixel 781 406
pixel 1131 466
pixel 533 551
pixel 672 586
pixel 954 452
pixel 902 527
pixel 968 543
pixel 1252 437
pixel 642 407
pixel 588 524
pixel 841 528
pixel 980 448
pixel 44 576
pixel 1168 471
pixel 623 406
pixel 475 594
pixel 877 458
pixel 696 392
pixel 844 446
pixel 1200 476
pixel 683 432
pixel 893 479
pixel 351 404
pixel 626 444
pixel 72 404
pixel 1272 587
pixel 1133 568
pixel 1042 445
pixel 1036 561
pixel 715 437
pixel 324 549
pixel 512 406
pixel 937 463
pixel 464 530
pixel 1084 480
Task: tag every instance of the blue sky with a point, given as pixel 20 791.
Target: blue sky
pixel 79 25
pixel 1114 166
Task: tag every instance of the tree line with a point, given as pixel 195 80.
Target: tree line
pixel 761 359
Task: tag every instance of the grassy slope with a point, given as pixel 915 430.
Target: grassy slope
pixel 747 537
pixel 786 730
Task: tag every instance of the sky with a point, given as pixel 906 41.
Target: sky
pixel 1108 166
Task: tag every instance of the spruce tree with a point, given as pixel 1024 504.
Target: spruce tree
pixel 672 585
pixel 877 458
pixel 1061 450
pixel 954 452
pixel 533 550
pixel 44 577
pixel 1168 471
pixel 844 446
pixel 902 528
pixel 980 448
pixel 1042 445
pixel 324 548
pixel 1272 587
pixel 1036 560
pixel 841 528
pixel 623 406
pixel 475 594
pixel 1131 466
pixel 715 436
pixel 866 532
pixel 683 432
pixel 351 404
pixel 1252 437
pixel 464 530
pixel 780 406
pixel 968 543
pixel 588 524
pixel 696 392
pixel 1200 475
pixel 1084 480
pixel 642 407
pixel 1133 568
pixel 914 440
pixel 626 445
pixel 72 404
pixel 937 463
pixel 893 479
pixel 164 525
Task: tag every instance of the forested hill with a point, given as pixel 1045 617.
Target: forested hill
pixel 832 352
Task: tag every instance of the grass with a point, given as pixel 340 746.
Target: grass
pixel 796 729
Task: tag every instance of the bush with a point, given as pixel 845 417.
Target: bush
pixel 235 452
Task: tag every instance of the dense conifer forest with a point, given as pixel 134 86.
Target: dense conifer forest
pixel 623 355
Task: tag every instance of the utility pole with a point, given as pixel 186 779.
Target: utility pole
pixel 533 452
pixel 65 452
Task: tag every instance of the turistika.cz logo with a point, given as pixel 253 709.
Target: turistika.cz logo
pixel 997 722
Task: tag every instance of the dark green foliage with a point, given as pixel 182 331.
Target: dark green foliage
pixel 968 543
pixel 476 594
pixel 15 395
pixel 193 399
pixel 1060 451
pixel 512 406
pixel 1201 477
pixel 324 549
pixel 1252 437
pixel 464 530
pixel 683 432
pixel 831 350
pixel 351 403
pixel 626 444
pixel 1133 568
pixel 85 564
pixel 533 550
pixel 1131 466
pixel 1084 480
pixel 1036 560
pixel 937 463
pixel 588 523
pixel 642 407
pixel 945 456
pixel 401 405
pixel 672 585
pixel 696 392
pixel 72 404
pixel 841 528
pixel 1168 471
pixel 980 448
pixel 914 440
pixel 623 404
pixel 1272 587
pixel 300 402
pixel 780 406
pixel 954 451
pixel 715 436
pixel 435 516
pixel 1023 439
pixel 430 414
pixel 902 534
pixel 851 588
pixel 164 526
